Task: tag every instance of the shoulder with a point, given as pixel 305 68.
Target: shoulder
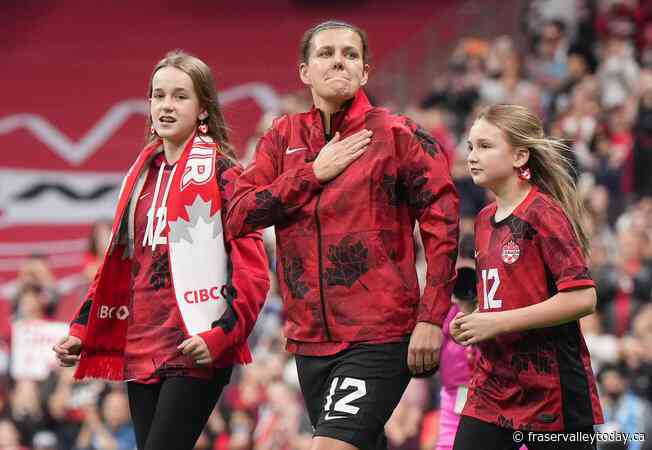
pixel 225 165
pixel 545 214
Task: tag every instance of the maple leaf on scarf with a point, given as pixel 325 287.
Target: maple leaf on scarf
pixel 293 271
pixel 269 209
pixel 350 262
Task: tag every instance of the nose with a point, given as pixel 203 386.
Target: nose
pixel 167 103
pixel 470 157
pixel 338 61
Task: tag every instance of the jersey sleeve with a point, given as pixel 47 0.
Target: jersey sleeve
pixel 561 250
pixel 264 195
pixel 246 292
pixel 433 201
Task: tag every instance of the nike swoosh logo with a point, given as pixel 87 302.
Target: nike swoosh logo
pixel 329 417
pixel 292 150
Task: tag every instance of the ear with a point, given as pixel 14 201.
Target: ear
pixel 303 74
pixel 365 75
pixel 521 156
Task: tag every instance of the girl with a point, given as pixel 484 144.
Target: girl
pixel 533 372
pixel 343 184
pixel 175 297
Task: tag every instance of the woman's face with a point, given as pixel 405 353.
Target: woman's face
pixel 491 158
pixel 335 69
pixel 174 105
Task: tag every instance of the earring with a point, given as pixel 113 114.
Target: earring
pixel 524 173
pixel 203 128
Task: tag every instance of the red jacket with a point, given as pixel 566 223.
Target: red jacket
pixel 345 249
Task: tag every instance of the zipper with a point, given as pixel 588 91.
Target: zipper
pixel 319 249
pixel 321 281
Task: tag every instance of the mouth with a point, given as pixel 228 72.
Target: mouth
pixel 167 119
pixel 337 78
pixel 474 170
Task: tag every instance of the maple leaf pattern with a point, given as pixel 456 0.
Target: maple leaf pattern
pixel 223 164
pixel 160 271
pixel 229 318
pixel 428 143
pixel 418 196
pixel 350 262
pixel 269 209
pixel 388 185
pixel 293 271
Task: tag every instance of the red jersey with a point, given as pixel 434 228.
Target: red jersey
pixel 540 379
pixel 155 324
pixel 345 249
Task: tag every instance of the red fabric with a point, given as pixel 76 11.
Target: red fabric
pixel 104 338
pixel 345 248
pixel 539 379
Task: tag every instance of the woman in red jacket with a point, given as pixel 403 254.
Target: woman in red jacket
pixel 343 185
pixel 175 297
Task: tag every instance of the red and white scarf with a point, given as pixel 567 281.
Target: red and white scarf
pixel 189 221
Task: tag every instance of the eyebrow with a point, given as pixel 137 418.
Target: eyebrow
pixel 179 89
pixel 330 46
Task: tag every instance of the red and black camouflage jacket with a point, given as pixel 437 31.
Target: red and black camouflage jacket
pixel 345 249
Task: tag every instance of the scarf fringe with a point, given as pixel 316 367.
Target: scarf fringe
pixel 107 367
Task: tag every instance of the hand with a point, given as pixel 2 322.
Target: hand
pixel 67 351
pixel 454 327
pixel 425 344
pixel 196 348
pixel 476 327
pixel 336 156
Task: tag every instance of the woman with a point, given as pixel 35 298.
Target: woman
pixel 533 372
pixel 175 298
pixel 343 185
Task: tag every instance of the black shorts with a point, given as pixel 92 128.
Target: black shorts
pixel 350 395
pixel 471 431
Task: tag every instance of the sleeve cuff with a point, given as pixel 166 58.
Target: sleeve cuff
pixel 216 342
pixel 436 313
pixel 308 174
pixel 575 284
pixel 78 330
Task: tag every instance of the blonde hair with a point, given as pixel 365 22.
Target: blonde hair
pixel 204 84
pixel 552 171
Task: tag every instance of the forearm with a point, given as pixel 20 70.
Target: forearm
pixel 561 308
pixel 256 206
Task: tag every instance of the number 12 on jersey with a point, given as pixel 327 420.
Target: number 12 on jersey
pixel 491 276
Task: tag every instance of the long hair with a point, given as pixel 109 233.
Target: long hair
pixel 552 171
pixel 306 39
pixel 204 84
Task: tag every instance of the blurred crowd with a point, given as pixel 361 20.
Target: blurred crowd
pixel 586 68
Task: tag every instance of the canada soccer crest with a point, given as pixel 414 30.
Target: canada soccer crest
pixel 511 252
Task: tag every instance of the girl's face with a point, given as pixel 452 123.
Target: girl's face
pixel 174 105
pixel 491 159
pixel 335 69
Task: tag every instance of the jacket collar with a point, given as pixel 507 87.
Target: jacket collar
pixel 352 110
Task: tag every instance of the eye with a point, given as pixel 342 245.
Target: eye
pixel 157 95
pixel 352 55
pixel 324 53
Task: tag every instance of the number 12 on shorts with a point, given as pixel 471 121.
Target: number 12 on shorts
pixel 343 404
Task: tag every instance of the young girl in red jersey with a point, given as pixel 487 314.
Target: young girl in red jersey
pixel 533 373
pixel 175 298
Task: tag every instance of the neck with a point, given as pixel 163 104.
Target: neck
pixel 173 150
pixel 509 195
pixel 328 107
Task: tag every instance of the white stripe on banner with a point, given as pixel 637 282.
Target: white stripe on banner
pixel 46 247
